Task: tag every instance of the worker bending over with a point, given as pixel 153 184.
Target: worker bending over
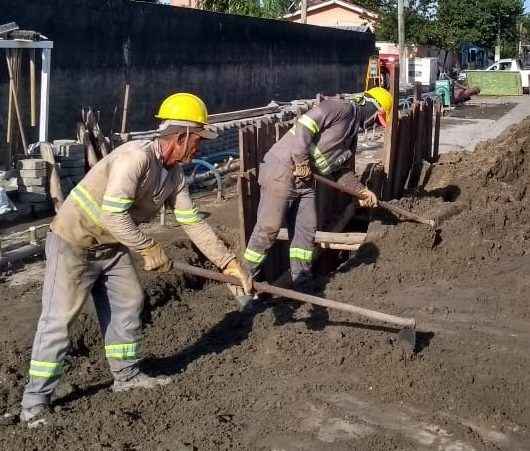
pixel 323 140
pixel 88 249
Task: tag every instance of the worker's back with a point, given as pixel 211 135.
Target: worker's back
pixel 329 130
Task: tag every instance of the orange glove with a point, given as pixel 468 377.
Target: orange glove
pixel 367 198
pixel 234 269
pixel 302 171
pixel 155 259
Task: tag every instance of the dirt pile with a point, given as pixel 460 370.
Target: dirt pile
pixel 482 202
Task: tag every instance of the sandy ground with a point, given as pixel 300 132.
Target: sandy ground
pixel 291 377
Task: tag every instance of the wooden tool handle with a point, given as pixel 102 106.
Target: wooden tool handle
pixel 261 287
pixel 389 207
pixel 406 214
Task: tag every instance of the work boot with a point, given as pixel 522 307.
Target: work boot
pixel 141 380
pixel 33 415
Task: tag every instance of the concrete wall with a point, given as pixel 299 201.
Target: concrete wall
pixel 233 62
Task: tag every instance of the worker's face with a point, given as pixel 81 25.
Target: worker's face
pixel 378 117
pixel 179 148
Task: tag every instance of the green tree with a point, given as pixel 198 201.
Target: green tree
pixel 479 22
pixel 256 8
pixel 419 19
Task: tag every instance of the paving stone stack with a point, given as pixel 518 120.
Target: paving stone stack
pixel 70 157
pixel 33 185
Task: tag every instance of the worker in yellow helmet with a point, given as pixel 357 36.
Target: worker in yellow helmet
pixel 323 140
pixel 88 249
pixel 384 101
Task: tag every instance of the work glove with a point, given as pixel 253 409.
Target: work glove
pixel 234 269
pixel 367 198
pixel 155 259
pixel 302 171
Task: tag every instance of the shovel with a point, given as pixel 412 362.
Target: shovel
pixel 389 207
pixel 406 336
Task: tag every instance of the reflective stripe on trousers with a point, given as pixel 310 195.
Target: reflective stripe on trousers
pixel 73 274
pixel 280 202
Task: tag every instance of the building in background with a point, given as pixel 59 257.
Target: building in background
pixel 183 3
pixel 337 14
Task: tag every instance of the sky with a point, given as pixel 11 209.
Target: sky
pixel 527 5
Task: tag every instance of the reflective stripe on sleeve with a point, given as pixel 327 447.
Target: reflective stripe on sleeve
pixel 116 204
pixel 45 370
pixel 304 255
pixel 124 351
pixel 253 256
pixel 320 160
pixel 309 123
pixel 190 216
pixel 86 202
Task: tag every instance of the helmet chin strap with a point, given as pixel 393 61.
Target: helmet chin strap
pixel 186 142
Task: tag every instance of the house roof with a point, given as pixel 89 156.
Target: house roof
pixel 315 5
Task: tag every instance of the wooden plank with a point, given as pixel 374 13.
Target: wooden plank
pixel 340 247
pixel 329 237
pixel 390 144
pixel 403 159
pixel 252 173
pixel 243 188
pixel 436 143
pixel 242 114
pixel 429 129
pixel 418 148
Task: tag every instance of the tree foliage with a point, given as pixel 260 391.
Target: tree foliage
pixel 445 24
pixel 448 24
pixel 256 8
pixel 478 21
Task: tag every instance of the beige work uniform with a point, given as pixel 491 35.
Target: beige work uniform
pixel 88 253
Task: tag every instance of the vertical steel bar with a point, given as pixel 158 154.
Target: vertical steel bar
pixel 45 94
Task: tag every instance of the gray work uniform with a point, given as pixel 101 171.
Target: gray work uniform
pixel 88 253
pixel 326 137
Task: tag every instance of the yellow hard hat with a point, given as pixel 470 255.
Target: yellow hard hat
pixel 383 98
pixel 183 106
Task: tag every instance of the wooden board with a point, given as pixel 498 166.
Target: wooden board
pixel 419 143
pixel 404 155
pixel 429 131
pixel 391 133
pixel 436 143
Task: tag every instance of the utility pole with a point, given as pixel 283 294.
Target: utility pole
pixel 303 11
pixel 403 59
pixel 498 46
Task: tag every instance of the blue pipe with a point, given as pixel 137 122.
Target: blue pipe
pixel 212 168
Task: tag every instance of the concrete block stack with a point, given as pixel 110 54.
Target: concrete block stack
pixel 70 158
pixel 33 184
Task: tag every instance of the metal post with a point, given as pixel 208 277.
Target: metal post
pixel 403 63
pixel 44 94
pixel 303 11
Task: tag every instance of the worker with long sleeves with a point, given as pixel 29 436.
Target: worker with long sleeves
pixel 323 140
pixel 88 249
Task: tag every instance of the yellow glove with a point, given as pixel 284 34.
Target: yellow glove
pixel 302 170
pixel 367 198
pixel 155 259
pixel 234 269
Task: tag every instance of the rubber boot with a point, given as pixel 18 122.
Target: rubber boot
pixel 141 380
pixel 33 415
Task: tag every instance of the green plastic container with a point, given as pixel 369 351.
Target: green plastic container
pixel 445 90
